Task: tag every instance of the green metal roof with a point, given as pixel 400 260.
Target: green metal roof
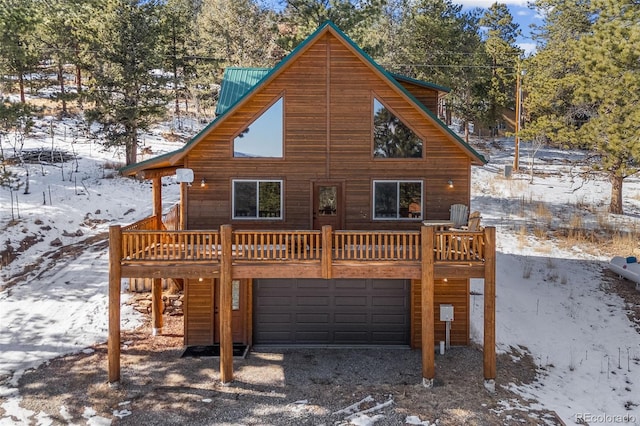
pixel 426 84
pixel 236 82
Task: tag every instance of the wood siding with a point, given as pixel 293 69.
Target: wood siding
pixel 428 97
pixel 454 292
pixel 199 312
pixel 328 95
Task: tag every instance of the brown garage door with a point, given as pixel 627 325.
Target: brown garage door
pixel 331 312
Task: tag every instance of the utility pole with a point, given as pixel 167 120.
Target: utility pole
pixel 516 153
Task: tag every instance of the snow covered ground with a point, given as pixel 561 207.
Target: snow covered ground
pixel 551 297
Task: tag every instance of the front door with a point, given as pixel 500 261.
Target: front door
pixel 328 204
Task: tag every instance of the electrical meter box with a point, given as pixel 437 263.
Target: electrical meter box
pixel 446 312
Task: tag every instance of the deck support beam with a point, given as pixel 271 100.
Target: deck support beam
pixel 489 350
pixel 115 277
pixel 157 306
pixel 156 292
pixel 327 252
pixel 225 305
pixel 427 297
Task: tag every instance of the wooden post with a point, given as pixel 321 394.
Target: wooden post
pixel 489 350
pixel 115 277
pixel 156 290
pixel 427 297
pixel 183 206
pixel 157 306
pixel 224 310
pixel 157 201
pixel 327 252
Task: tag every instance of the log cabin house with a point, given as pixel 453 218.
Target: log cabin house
pixel 314 215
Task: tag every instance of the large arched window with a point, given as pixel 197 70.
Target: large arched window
pixel 391 137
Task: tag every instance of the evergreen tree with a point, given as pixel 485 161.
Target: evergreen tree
pixel 232 33
pixel 177 40
pixel 127 86
pixel 62 33
pixel 551 75
pixel 500 44
pixel 609 83
pixel 435 41
pixel 18 52
pixel 355 17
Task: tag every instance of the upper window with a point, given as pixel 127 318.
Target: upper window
pixel 257 199
pixel 263 137
pixel 391 137
pixel 397 199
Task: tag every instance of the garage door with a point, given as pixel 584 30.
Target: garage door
pixel 331 312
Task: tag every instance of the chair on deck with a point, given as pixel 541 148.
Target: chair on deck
pixel 474 222
pixel 458 214
pixel 466 242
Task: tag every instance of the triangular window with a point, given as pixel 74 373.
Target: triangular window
pixel 391 137
pixel 263 138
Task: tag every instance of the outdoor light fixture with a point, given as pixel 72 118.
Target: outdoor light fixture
pixel 202 183
pixel 450 182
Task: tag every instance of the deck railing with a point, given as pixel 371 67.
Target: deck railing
pixel 277 245
pixel 139 244
pixel 376 245
pixel 170 245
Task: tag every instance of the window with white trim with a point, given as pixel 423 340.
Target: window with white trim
pixel 397 199
pixel 257 199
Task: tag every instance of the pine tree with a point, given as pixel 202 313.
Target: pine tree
pixel 232 33
pixel 355 17
pixel 583 85
pixel 126 85
pixel 176 44
pixel 500 44
pixel 62 33
pixel 610 84
pixel 18 52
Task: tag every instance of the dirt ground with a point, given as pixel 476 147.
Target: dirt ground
pixel 312 386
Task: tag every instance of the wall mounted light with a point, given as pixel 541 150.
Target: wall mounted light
pixel 450 183
pixel 203 183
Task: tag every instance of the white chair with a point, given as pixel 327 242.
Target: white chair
pixel 458 215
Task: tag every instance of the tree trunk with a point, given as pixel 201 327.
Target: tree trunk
pixel 63 95
pixel 21 83
pixel 132 151
pixel 616 194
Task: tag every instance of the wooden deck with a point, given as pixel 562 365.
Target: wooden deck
pixel 305 254
pixel 140 251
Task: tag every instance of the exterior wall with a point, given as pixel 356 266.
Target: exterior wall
pixel 428 97
pixel 199 311
pixel 454 292
pixel 328 96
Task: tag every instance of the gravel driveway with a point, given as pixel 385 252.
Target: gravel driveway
pixel 310 386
